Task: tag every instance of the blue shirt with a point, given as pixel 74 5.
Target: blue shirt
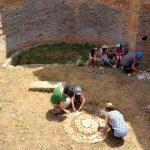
pixel 129 59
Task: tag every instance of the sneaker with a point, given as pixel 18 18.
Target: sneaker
pixel 56 111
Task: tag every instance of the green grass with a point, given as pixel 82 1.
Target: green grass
pixel 55 53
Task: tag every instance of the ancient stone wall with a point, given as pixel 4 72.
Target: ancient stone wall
pixel 143 29
pixel 24 23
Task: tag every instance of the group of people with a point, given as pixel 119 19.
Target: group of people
pixel 63 97
pixel 127 61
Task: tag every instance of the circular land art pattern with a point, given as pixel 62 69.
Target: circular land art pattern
pixel 83 127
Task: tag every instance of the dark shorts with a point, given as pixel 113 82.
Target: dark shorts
pixel 127 70
pixel 112 130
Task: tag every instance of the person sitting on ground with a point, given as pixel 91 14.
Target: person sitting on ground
pixel 114 121
pixel 60 98
pixel 92 57
pixel 78 99
pixel 130 61
pixel 104 52
pixel 111 54
pixel 119 52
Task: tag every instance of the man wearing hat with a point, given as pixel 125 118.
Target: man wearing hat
pixel 130 61
pixel 115 121
pixel 78 99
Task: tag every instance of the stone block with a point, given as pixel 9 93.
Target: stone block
pixel 45 86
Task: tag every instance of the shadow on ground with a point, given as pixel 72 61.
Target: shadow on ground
pixel 113 142
pixel 125 92
pixel 51 117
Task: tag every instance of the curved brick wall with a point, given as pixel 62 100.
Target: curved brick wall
pixel 24 23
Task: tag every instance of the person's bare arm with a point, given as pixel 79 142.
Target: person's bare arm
pixel 90 55
pixel 116 51
pixel 123 50
pixel 105 127
pixel 135 69
pixel 63 108
pixel 83 101
pixel 106 122
pixel 72 102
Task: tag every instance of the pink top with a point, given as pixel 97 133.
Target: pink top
pixel 119 51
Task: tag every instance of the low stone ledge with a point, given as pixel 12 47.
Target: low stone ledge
pixel 45 86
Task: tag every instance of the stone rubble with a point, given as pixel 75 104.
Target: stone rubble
pixel 144 76
pixel 82 127
pixel 99 72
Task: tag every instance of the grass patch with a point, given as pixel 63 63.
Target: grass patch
pixel 61 53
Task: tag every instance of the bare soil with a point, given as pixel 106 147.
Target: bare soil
pixel 26 122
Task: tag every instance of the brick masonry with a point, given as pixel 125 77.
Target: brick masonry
pixel 24 23
pixel 143 29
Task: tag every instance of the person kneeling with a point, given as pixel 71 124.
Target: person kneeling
pixel 114 121
pixel 78 99
pixel 60 99
pixel 130 62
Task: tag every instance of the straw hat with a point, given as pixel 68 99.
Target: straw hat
pixel 109 105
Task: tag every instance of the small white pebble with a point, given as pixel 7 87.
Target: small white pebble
pixel 129 74
pixel 22 139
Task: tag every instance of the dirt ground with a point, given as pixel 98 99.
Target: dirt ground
pixel 26 122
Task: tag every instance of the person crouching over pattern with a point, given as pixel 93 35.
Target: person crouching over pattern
pixel 60 99
pixel 78 99
pixel 114 121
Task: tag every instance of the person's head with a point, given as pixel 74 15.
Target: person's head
pixel 104 48
pixel 102 113
pixel 69 91
pixel 119 45
pixel 94 48
pixel 78 90
pixel 109 107
pixel 139 55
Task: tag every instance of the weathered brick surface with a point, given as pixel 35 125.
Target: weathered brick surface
pixel 44 86
pixel 26 22
pixel 143 31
